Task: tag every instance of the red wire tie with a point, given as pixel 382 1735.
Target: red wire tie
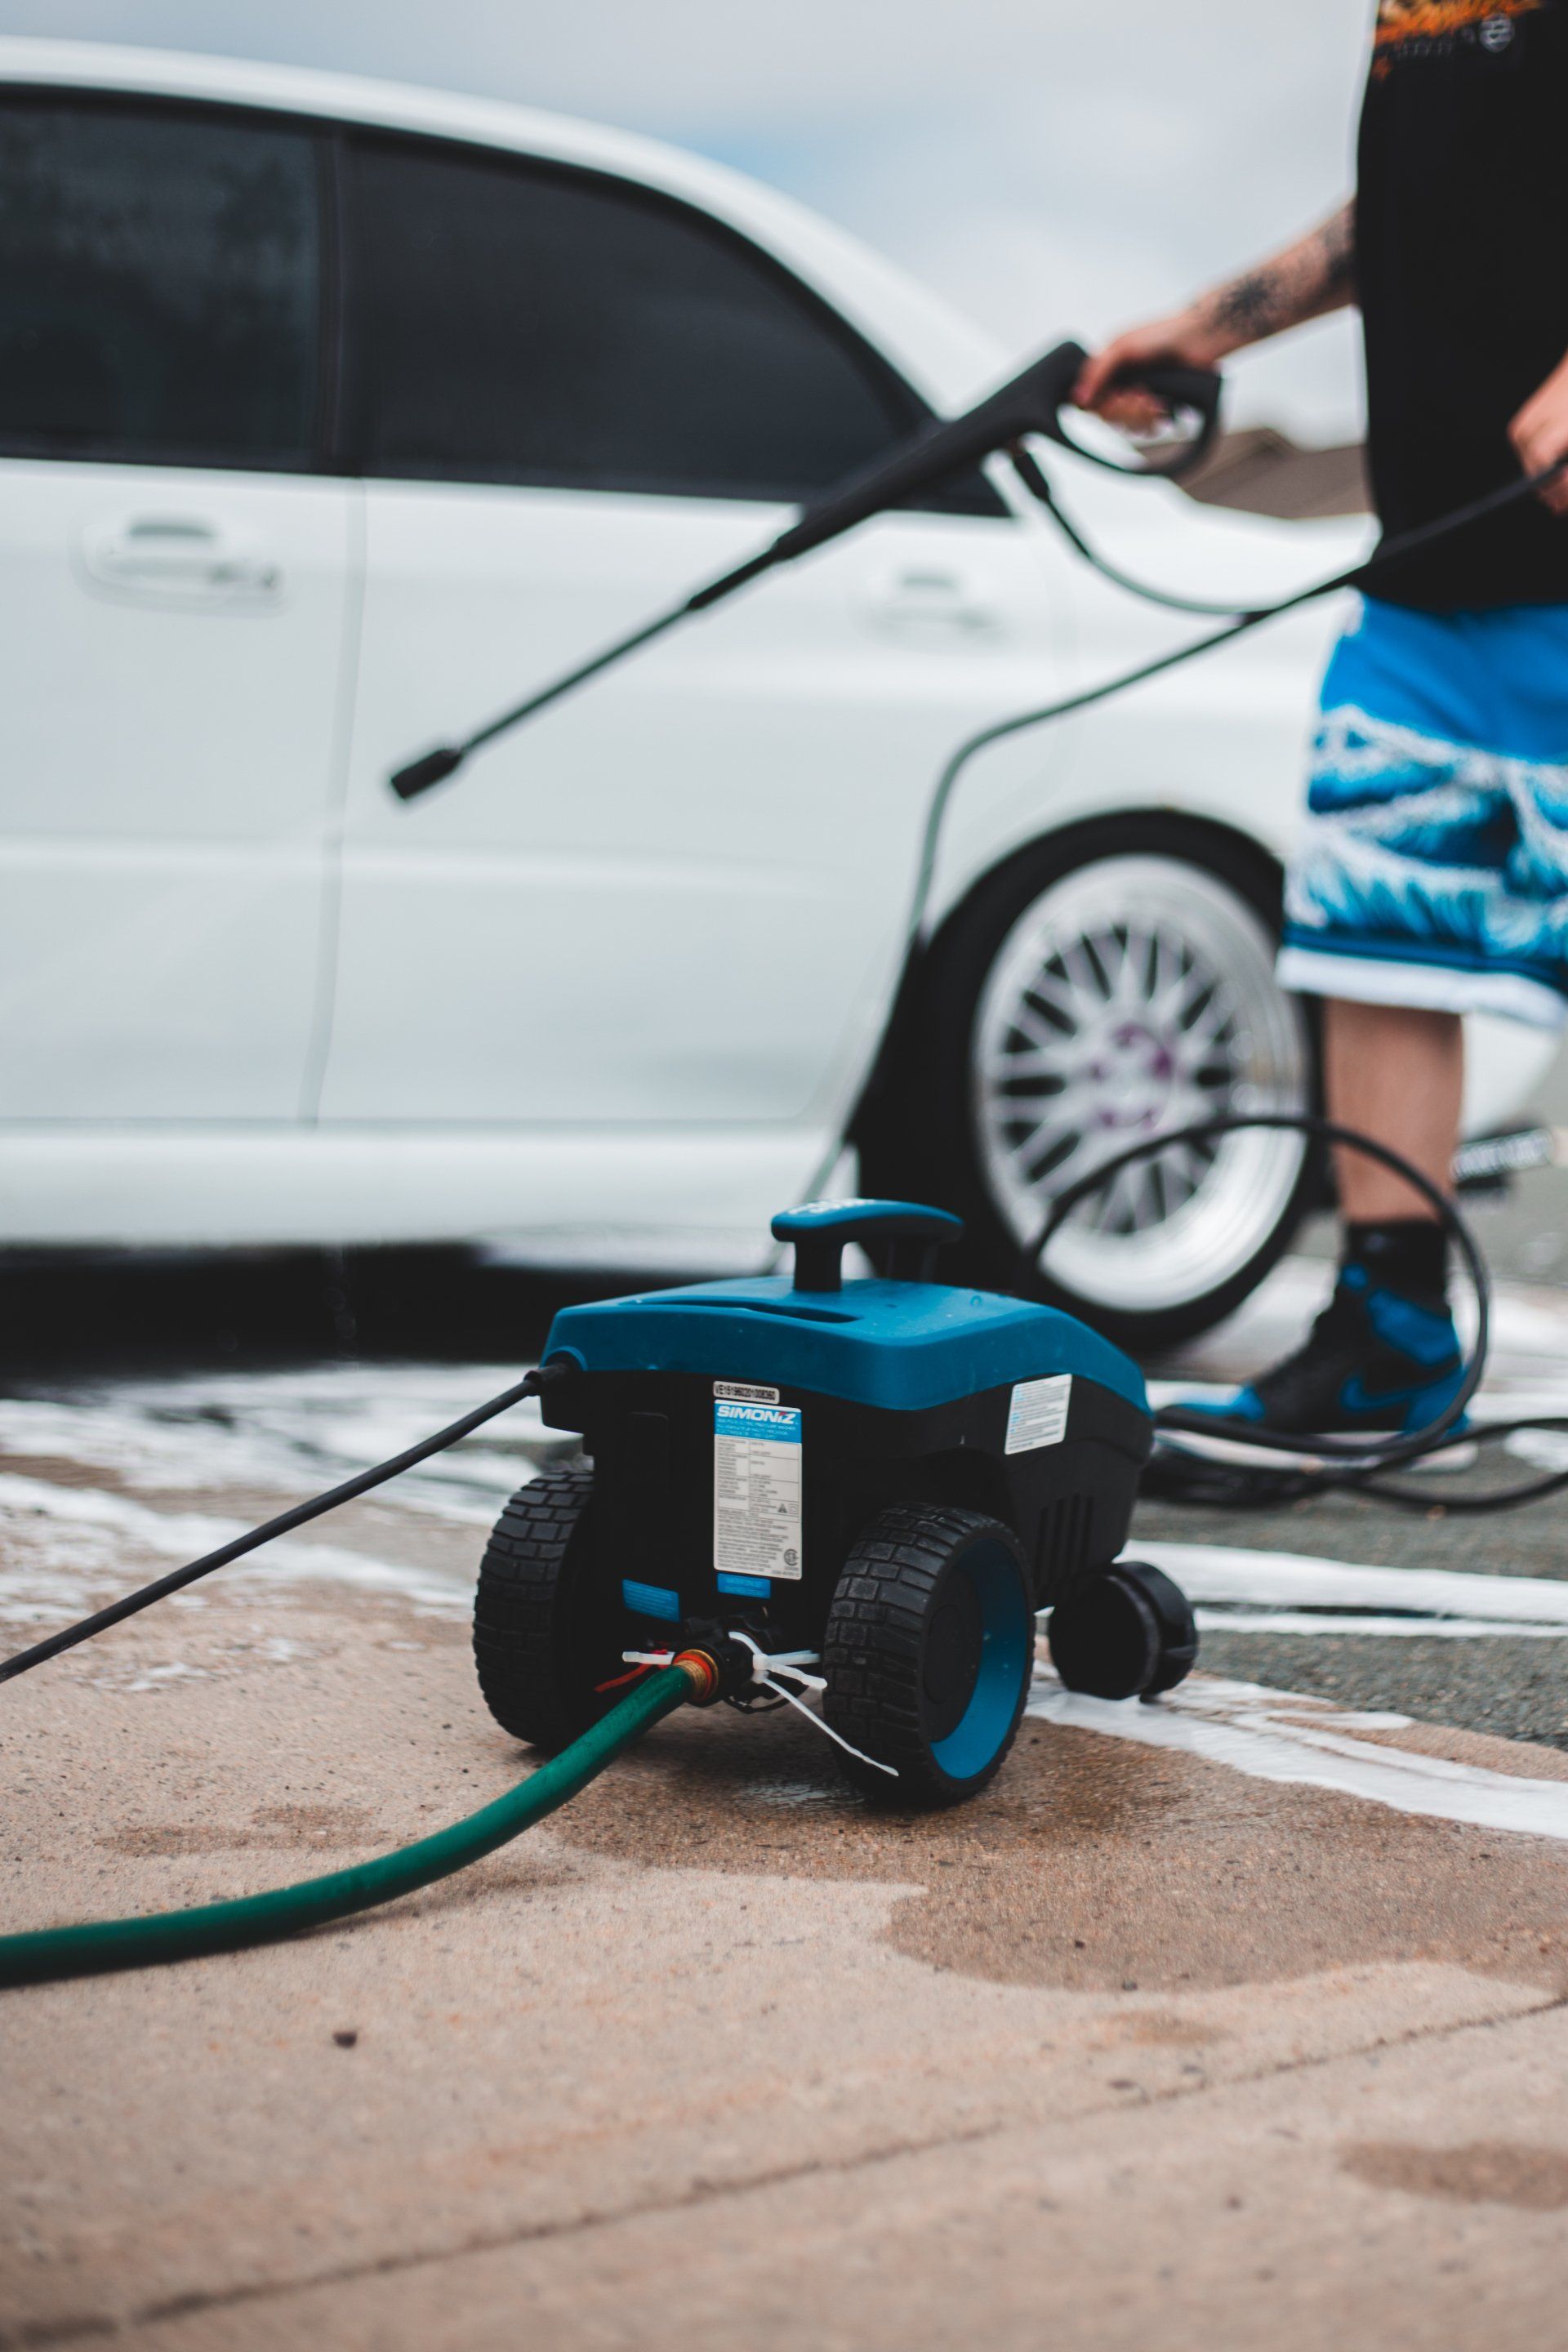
pixel 619 1681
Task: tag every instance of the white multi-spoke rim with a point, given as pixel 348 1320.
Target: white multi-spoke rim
pixel 1134 997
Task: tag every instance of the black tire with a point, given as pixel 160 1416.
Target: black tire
pixel 928 1652
pixel 541 1645
pixel 919 1131
pixel 1127 1633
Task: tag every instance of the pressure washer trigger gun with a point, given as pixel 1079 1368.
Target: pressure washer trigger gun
pixel 1191 398
pixel 1030 402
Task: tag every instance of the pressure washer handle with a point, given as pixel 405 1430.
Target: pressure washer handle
pixel 1197 392
pixel 1031 403
pixel 821 1229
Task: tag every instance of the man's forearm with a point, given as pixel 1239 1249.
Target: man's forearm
pixel 1314 276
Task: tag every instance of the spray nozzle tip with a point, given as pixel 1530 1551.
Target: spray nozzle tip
pixel 419 775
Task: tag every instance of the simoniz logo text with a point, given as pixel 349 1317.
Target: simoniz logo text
pixel 770 1416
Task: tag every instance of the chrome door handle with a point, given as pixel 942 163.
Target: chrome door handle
pixel 176 560
pixel 933 595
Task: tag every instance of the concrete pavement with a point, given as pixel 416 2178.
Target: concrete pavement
pixel 1135 2041
pixel 1195 2040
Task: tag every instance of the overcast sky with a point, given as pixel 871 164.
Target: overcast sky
pixel 1055 167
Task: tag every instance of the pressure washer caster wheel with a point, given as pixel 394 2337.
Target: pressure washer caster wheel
pixel 928 1652
pixel 1127 1633
pixel 541 1645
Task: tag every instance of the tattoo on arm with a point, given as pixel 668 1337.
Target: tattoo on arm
pixel 1252 306
pixel 1307 280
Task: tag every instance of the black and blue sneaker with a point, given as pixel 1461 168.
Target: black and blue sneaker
pixel 1375 1361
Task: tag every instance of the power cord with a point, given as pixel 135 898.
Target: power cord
pixel 362 1483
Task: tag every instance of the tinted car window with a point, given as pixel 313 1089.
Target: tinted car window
pixel 159 286
pixel 526 324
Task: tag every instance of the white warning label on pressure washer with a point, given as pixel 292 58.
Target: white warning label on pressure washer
pixel 757 1454
pixel 1038 1413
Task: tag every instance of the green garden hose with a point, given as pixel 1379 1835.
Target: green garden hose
pixel 48 1953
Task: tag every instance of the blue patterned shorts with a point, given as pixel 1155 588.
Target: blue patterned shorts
pixel 1434 867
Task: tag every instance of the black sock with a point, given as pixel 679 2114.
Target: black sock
pixel 1408 1255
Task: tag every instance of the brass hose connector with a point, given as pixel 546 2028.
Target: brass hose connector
pixel 703 1672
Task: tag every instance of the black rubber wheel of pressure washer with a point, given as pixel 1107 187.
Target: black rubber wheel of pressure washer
pixel 917 1130
pixel 928 1652
pixel 540 1646
pixel 1127 1633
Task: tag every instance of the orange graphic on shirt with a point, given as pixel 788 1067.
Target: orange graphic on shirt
pixel 1443 24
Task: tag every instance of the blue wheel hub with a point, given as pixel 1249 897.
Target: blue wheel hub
pixel 979 1651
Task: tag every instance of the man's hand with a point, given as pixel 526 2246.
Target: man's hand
pixel 1184 340
pixel 1540 435
pixel 1310 277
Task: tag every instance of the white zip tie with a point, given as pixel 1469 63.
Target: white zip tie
pixel 799 1704
pixel 786 1664
pixel 812 1682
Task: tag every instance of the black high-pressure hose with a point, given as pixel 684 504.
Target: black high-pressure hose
pixel 1338 1465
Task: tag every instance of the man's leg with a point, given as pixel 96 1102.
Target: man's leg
pixel 1397 1074
pixel 1432 867
pixel 1383 1354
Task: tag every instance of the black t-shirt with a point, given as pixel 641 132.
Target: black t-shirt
pixel 1462 253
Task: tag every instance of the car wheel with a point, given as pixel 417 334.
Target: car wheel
pixel 1110 985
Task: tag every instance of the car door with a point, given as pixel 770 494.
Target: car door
pixel 174 573
pixel 676 898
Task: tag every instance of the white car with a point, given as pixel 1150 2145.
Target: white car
pixel 333 416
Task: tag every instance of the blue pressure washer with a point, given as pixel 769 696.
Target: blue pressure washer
pixel 885 1479
pixel 889 1478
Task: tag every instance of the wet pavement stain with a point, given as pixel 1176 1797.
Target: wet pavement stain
pixel 1487 2172
pixel 1152 2029
pixel 1095 1865
pixel 1512 1689
pixel 279 1828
